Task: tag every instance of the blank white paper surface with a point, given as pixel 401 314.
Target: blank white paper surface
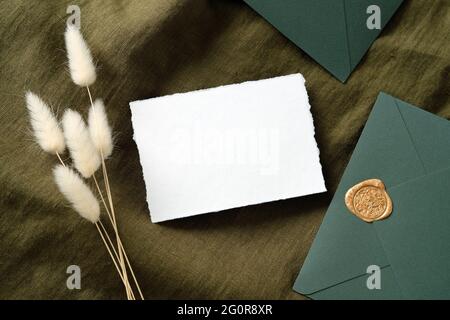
pixel 226 147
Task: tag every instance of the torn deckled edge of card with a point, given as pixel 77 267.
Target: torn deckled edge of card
pixel 226 147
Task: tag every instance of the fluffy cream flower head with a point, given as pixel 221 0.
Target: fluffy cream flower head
pixel 77 193
pixel 46 128
pixel 84 155
pixel 99 129
pixel 82 69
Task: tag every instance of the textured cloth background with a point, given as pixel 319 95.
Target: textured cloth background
pixel 151 48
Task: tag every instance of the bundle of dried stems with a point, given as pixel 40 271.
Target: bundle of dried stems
pixel 89 146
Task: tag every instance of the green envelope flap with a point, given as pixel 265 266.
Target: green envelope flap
pixel 430 135
pixel 334 33
pixel 345 245
pixel 356 289
pixel 318 27
pixel 359 36
pixel 416 237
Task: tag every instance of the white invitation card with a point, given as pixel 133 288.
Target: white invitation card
pixel 226 147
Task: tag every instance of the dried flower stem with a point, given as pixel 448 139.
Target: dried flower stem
pixel 112 216
pixel 129 296
pixel 60 160
pixel 114 222
pixel 120 241
pixel 129 290
pixel 131 269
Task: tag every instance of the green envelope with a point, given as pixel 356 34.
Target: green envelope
pixel 332 32
pixel 409 150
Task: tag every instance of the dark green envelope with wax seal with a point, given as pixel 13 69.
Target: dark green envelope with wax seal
pixel 409 150
pixel 332 32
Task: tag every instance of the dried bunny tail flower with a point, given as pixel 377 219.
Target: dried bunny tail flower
pixel 99 129
pixel 45 126
pixel 81 65
pixel 84 155
pixel 77 193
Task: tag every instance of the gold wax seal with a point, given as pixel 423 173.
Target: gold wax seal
pixel 369 201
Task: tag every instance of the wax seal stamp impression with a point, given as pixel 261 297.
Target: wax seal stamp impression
pixel 369 201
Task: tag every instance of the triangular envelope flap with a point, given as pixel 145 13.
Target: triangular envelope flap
pixel 356 289
pixel 316 26
pixel 360 37
pixel 430 135
pixel 345 245
pixel 416 236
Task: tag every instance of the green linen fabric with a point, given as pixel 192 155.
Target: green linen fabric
pixel 151 48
